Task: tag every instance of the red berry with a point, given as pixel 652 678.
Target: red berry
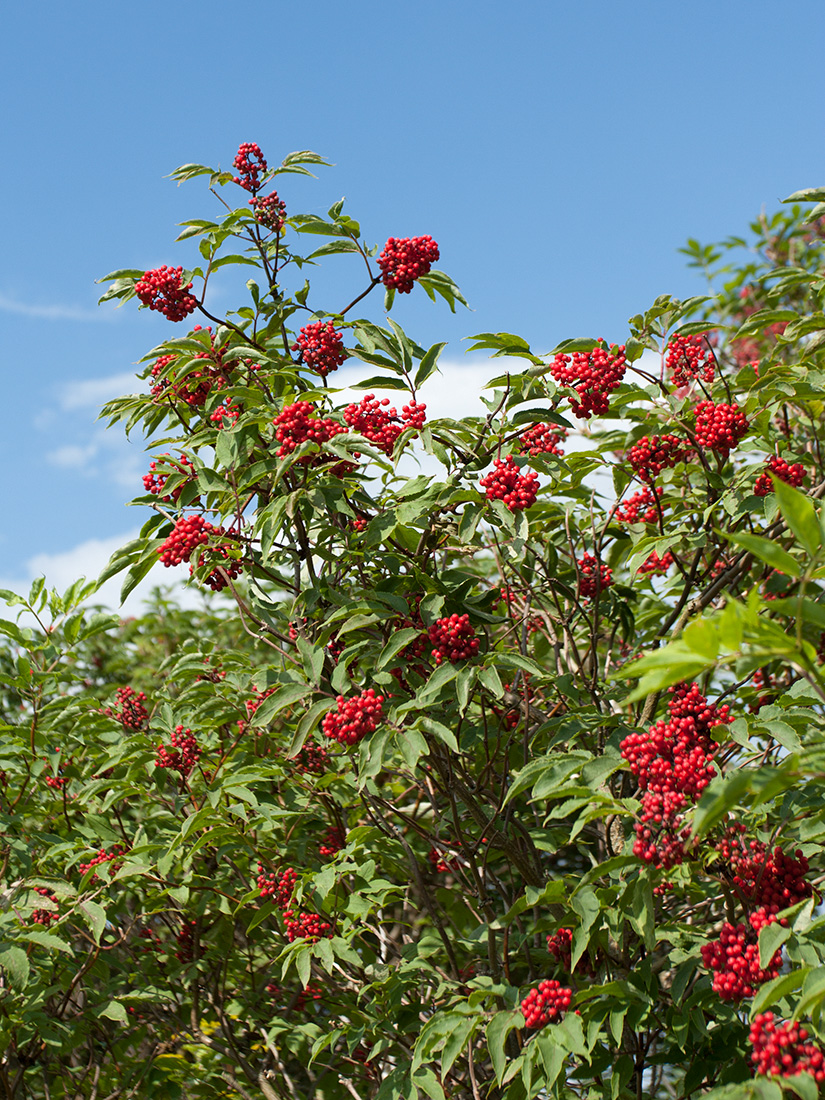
pixel 505 482
pixel 594 375
pixel 355 718
pixel 162 289
pixel 406 259
pixel 321 346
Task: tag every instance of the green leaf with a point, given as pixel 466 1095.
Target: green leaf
pixel 766 550
pixel 813 993
pixel 771 938
pixel 775 990
pixel 15 963
pixel 798 512
pixel 397 642
pixel 429 364
pixel 114 1010
pixel 497 1031
pixel 807 194
pixel 280 700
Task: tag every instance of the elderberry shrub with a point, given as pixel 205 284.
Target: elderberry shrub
pixel 452 786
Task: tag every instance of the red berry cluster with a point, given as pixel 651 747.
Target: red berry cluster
pixel 129 709
pixel 188 533
pixel 103 856
pixel 441 861
pixel 719 427
pixel 543 439
pixel 226 414
pixel 593 374
pixel 311 759
pixel 57 781
pixel 182 755
pixel 506 482
pixel 154 482
pixel 332 842
pixel 653 453
pixel 639 508
pixel 560 946
pixel 672 765
pixel 195 385
pixel 45 916
pixel 299 1001
pixel 547 1004
pixel 734 958
pixel 186 942
pixel 279 887
pixel 380 425
pixel 779 467
pixel 300 423
pixel 594 576
pixel 250 162
pixel 355 718
pixel 453 639
pixel 360 523
pixel 781 1049
pixel 656 565
pixel 406 259
pixel 162 289
pixel 270 211
pixel 772 880
pixel 321 346
pixel 306 926
pixel 689 357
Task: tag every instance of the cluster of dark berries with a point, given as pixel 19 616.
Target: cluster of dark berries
pixel 226 414
pixel 444 862
pixel 506 482
pixel 183 753
pixel 154 482
pixel 406 259
pixel 653 453
pixel 300 1001
pixel 453 639
pixel 560 946
pixel 719 427
pixel 546 1004
pixel 355 718
pixel 380 425
pixel 781 1049
pixel 311 759
pixel 270 211
pixel 250 162
pixel 45 916
pixel 185 941
pixel 687 358
pixel 672 762
pixel 57 780
pixel 543 439
pixel 162 289
pixel 306 926
pixel 278 887
pixel 113 857
pixel 773 880
pixel 594 576
pixel 734 958
pixel 299 423
pixel 194 385
pixel 593 374
pixel 321 346
pixel 188 534
pixel 332 842
pixel 655 565
pixel 639 508
pixel 129 709
pixel 779 467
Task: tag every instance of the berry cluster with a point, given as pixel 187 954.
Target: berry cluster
pixel 311 759
pixel 719 427
pixel 734 958
pixel 321 346
pixel 653 453
pixel 779 467
pixel 250 162
pixel 656 565
pixel 332 842
pixel 300 423
pixel 543 439
pixel 162 289
pixel 193 388
pixel 406 259
pixel 45 916
pixel 298 1001
pixel 672 765
pixel 129 709
pixel 355 718
pixel 279 887
pixel 453 639
pixel 560 946
pixel 689 357
pixel 506 482
pixel 57 781
pixel 773 880
pixel 306 926
pixel 270 211
pixel 182 755
pixel 226 414
pixel 781 1049
pixel 639 508
pixel 186 942
pixel 546 1004
pixel 380 425
pixel 188 534
pixel 103 856
pixel 153 482
pixel 594 576
pixel 442 861
pixel 593 374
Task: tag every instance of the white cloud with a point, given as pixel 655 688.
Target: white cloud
pixel 92 392
pixel 54 312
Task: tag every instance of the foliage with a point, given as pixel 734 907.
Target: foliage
pixel 325 836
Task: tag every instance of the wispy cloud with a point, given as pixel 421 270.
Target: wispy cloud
pixel 55 312
pixel 92 392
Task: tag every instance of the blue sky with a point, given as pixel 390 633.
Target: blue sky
pixel 559 153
